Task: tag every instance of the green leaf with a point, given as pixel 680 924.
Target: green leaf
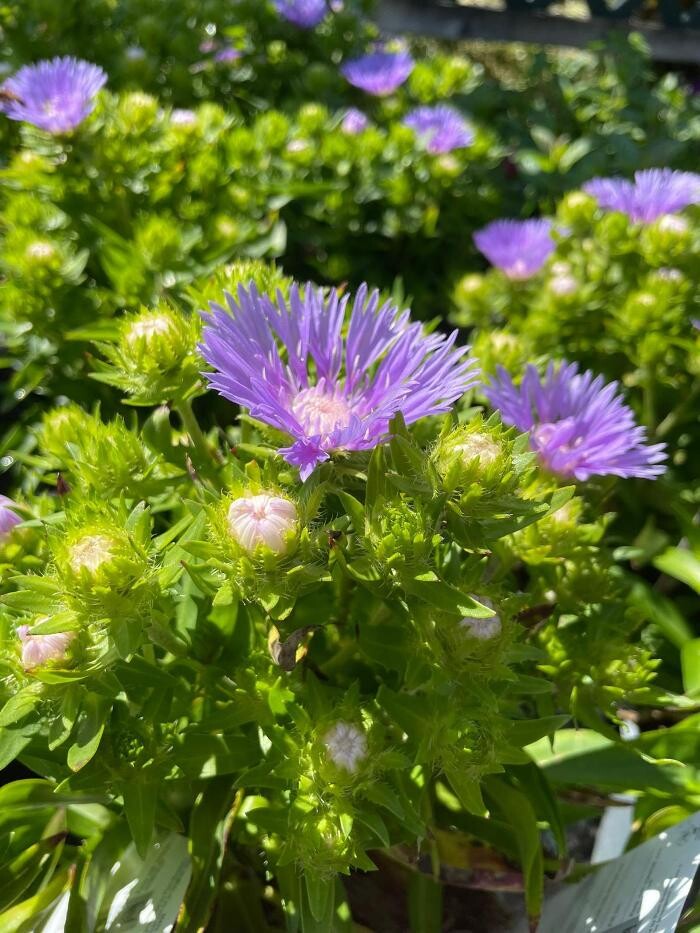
pixel 355 510
pixel 210 824
pixel 21 918
pixel 408 712
pixel 662 612
pixel 35 793
pixel 518 812
pixel 17 875
pixel 467 789
pixel 12 743
pixel 88 733
pixel 18 707
pixel 140 799
pixel 321 896
pixel 432 590
pixel 532 781
pixel 523 732
pixel 424 904
pixel 690 666
pixel 680 564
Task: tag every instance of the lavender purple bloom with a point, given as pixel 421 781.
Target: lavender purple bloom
pixel 354 121
pixel 8 517
pixel 264 355
pixel 653 193
pixel 441 128
pixel 379 73
pixel 518 247
pixel 303 13
pixel 578 425
pixel 55 95
pixel 228 54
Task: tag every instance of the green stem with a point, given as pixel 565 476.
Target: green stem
pixel 200 451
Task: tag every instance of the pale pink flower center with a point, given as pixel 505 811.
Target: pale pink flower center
pixel 518 270
pixel 263 520
pixel 320 411
pixel 38 649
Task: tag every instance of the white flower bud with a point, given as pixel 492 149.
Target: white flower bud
pixel 483 629
pixel 91 552
pixel 563 285
pixel 148 326
pixel 672 223
pixel 41 250
pixel 38 649
pixel 479 446
pixel 346 745
pixel 263 520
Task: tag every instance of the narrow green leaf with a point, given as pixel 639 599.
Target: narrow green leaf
pixel 321 895
pixel 681 564
pixel 140 799
pixel 424 904
pixel 88 732
pixel 690 666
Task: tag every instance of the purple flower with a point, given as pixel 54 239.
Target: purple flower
pixel 578 425
pixel 440 128
pixel 228 54
pixel 519 247
pixel 8 517
pixel 653 193
pixel 54 95
pixel 303 13
pixel 354 121
pixel 291 366
pixel 378 73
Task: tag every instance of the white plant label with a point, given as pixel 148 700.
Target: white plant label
pixel 643 891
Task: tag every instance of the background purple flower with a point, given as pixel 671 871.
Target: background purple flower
pixel 8 517
pixel 54 95
pixel 653 193
pixel 354 121
pixel 441 128
pixel 578 425
pixel 518 247
pixel 379 73
pixel 228 54
pixel 265 354
pixel 303 13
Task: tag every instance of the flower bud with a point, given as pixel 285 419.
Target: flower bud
pixel 562 285
pixel 38 649
pixel 40 250
pixel 483 629
pixel 263 521
pixel 478 447
pixel 90 552
pixel 346 745
pixel 8 517
pixel 148 326
pixel 672 223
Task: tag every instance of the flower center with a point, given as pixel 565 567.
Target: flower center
pixel 320 411
pixel 518 270
pixel 91 552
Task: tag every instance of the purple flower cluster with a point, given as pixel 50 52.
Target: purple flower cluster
pixel 303 13
pixel 441 128
pixel 518 247
pixel 379 73
pixel 653 193
pixel 55 95
pixel 291 366
pixel 578 425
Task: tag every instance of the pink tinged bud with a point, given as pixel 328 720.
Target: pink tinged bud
pixel 263 520
pixel 346 746
pixel 38 649
pixel 563 285
pixel 483 629
pixel 147 327
pixel 8 517
pixel 91 552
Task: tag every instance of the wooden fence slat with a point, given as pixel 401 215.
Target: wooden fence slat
pixel 454 23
